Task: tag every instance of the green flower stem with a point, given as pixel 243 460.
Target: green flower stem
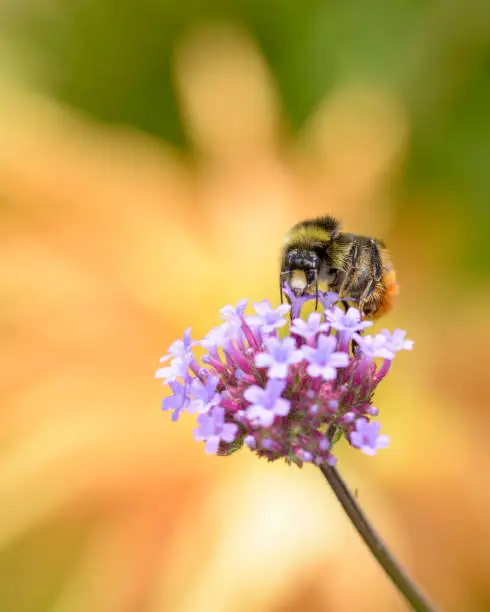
pixel 414 596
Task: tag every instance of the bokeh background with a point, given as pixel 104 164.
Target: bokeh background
pixel 152 155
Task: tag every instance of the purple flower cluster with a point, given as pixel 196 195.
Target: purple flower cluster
pixel 287 395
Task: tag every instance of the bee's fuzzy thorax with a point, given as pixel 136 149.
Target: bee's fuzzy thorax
pixel 307 237
pixel 311 233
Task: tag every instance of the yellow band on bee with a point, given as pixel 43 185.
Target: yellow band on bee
pixel 308 233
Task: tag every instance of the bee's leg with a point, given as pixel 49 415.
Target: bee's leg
pixel 316 292
pixel 348 275
pixel 283 278
pixel 376 263
pixel 369 294
pixel 343 290
pixel 366 295
pixel 339 282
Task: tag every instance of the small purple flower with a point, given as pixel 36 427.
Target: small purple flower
pixel 396 341
pixel 324 359
pixel 213 429
pixel 328 299
pixel 268 444
pixel 297 302
pixel 366 437
pixel 347 417
pixel 234 315
pixel 374 346
pixel 266 403
pixel 250 441
pixel 202 394
pixel 178 368
pixel 181 353
pixel 268 318
pixel 309 329
pixel 282 353
pixel 324 444
pixel 220 336
pixel 179 348
pixel 347 322
pixel 178 401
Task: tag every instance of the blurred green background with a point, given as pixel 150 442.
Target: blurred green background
pixel 113 60
pixel 152 156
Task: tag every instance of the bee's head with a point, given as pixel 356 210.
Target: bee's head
pixel 301 268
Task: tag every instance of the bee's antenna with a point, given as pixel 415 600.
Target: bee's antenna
pixel 280 291
pixel 316 291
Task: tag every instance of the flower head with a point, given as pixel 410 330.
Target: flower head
pixel 177 369
pixel 178 401
pixel 219 337
pixel 349 322
pixel 396 341
pixel 179 348
pixel 310 328
pixel 290 398
pixel 374 346
pixel 268 318
pixel 366 437
pixel 203 394
pixel 324 359
pixel 279 356
pixel 234 315
pixel 213 429
pixel 182 359
pixel 266 403
pixel 328 299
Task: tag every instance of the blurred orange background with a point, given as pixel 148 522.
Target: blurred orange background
pixel 114 239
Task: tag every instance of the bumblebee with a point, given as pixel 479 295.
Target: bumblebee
pixel 356 267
